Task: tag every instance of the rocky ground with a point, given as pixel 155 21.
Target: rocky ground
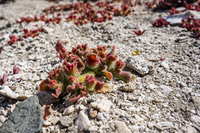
pixel 164 97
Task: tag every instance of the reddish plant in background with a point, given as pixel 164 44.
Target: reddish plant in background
pixel 16 70
pixel 174 11
pixel 160 22
pixel 1 49
pixel 192 24
pixel 56 18
pixel 13 40
pixel 27 33
pixel 139 32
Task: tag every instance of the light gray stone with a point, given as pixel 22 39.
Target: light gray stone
pixel 139 64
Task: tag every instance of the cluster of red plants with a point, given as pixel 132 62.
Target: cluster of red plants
pixel 192 6
pixel 27 33
pixel 76 77
pixel 192 24
pixel 56 18
pixel 174 11
pixel 160 22
pixel 32 33
pixel 167 4
pixel 83 13
pixel 13 39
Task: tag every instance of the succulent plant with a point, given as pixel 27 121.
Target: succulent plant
pixel 160 22
pixel 192 24
pixel 76 77
pixel 16 70
pixel 139 32
pixel 4 79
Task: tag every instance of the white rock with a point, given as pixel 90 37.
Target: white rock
pixel 139 64
pixel 2 119
pixel 69 110
pixel 191 129
pixel 166 88
pixel 66 121
pixel 165 65
pixel 3 112
pixel 45 130
pixel 166 124
pixel 100 116
pixel 82 122
pixel 6 91
pixel 48 30
pixel 176 18
pixel 121 127
pixel 102 104
pixel 195 119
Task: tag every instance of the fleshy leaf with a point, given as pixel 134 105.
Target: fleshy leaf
pixel 90 82
pixel 48 85
pixel 81 78
pixel 110 61
pixel 56 74
pixel 72 79
pixel 70 69
pixel 60 47
pixel 16 70
pixel 4 79
pixel 92 61
pixel 46 112
pixel 107 74
pixel 58 91
pixel 135 53
pixel 99 86
pixel 125 76
pixel 120 64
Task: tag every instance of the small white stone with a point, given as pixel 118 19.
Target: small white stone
pixel 165 65
pixel 140 65
pixel 195 119
pixel 121 127
pixel 2 119
pixel 102 104
pixel 82 122
pixel 191 129
pixel 69 110
pixel 66 121
pixel 166 88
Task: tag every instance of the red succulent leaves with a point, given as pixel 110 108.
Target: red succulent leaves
pixel 4 79
pixel 139 32
pixel 92 84
pixel 46 112
pixel 125 76
pixel 16 70
pixel 160 22
pixel 60 47
pixel 192 24
pixel 70 69
pixel 1 49
pixel 92 61
pixel 13 40
pixel 174 11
